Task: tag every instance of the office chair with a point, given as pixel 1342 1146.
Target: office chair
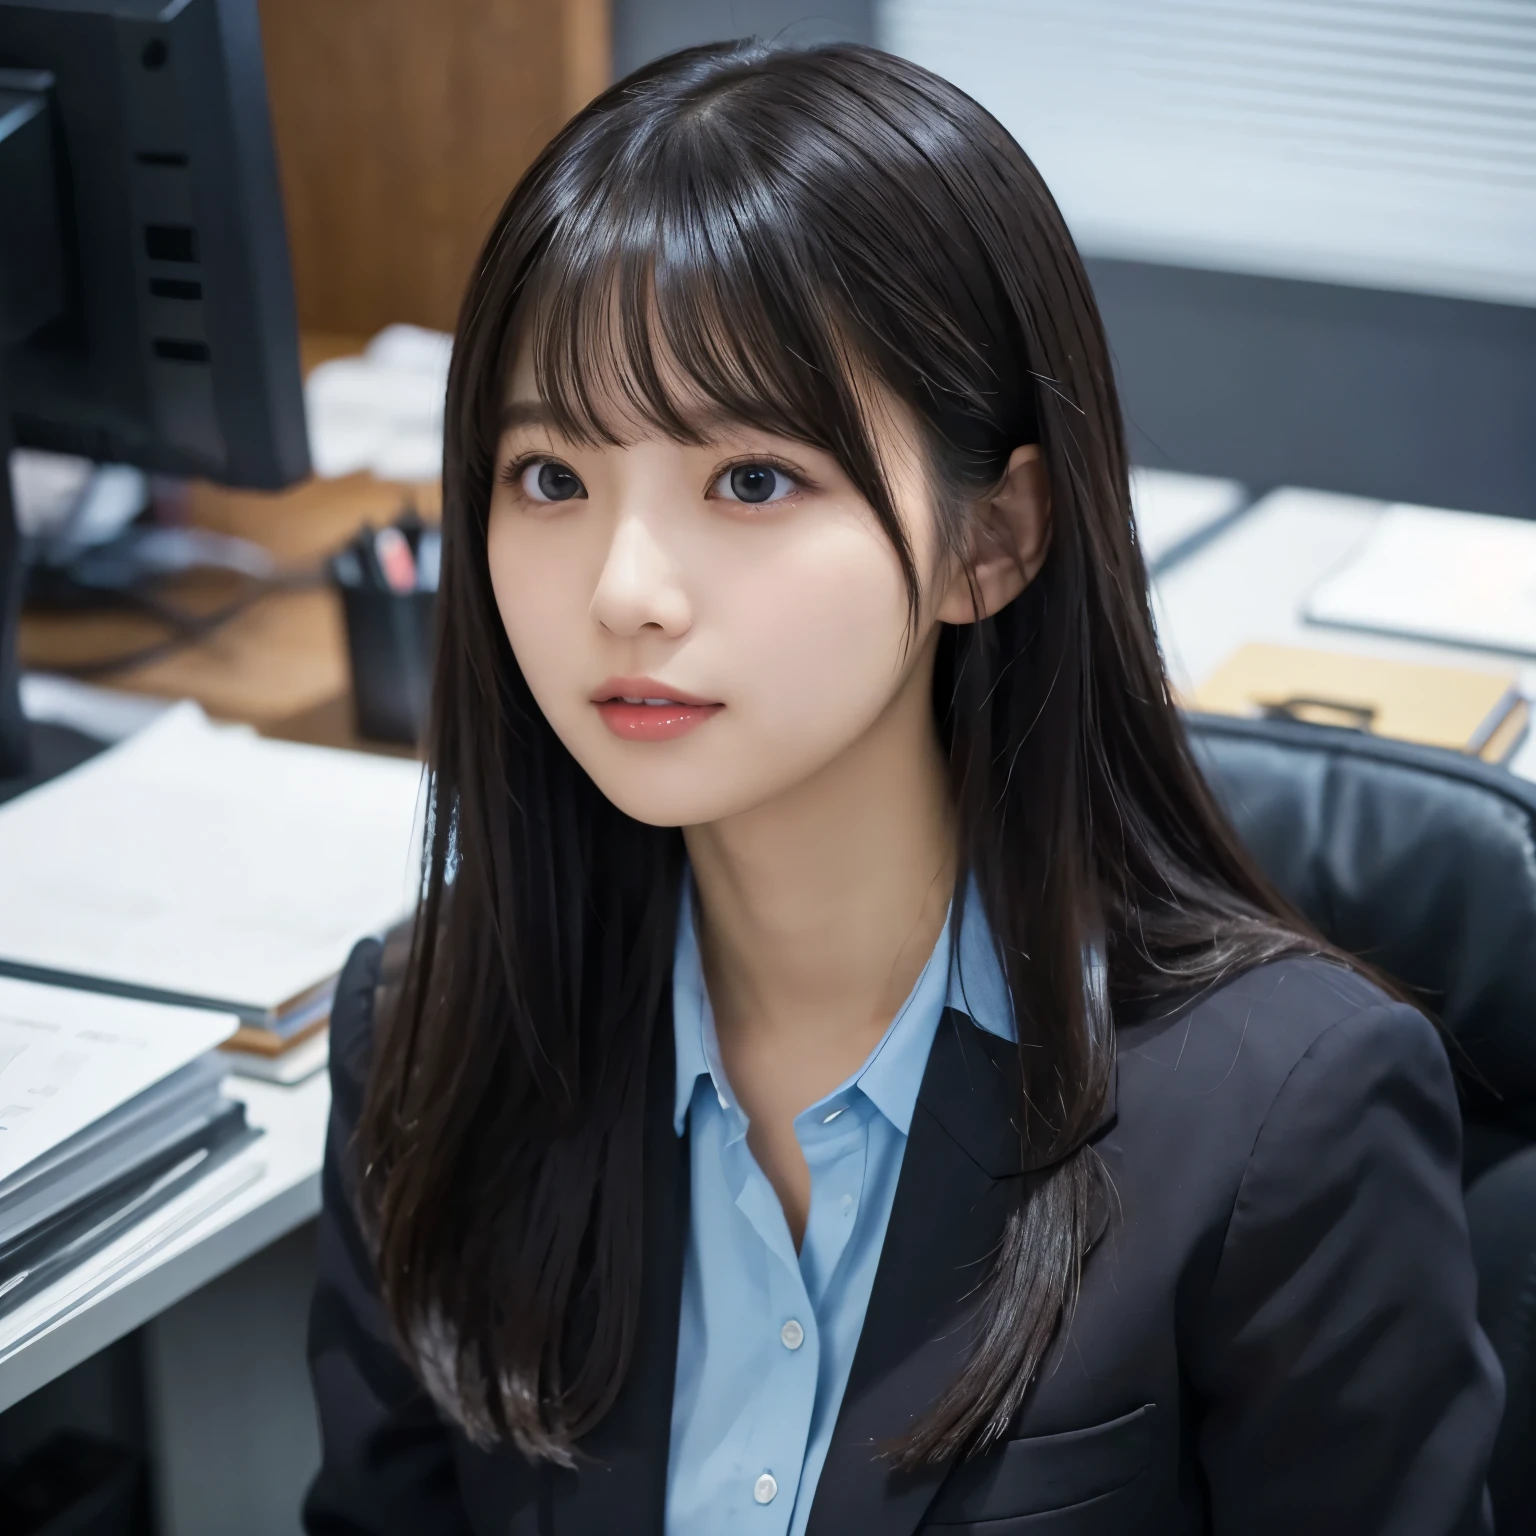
pixel 1424 863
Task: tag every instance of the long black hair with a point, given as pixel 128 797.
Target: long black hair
pixel 786 227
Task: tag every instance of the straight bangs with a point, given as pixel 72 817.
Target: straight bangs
pixel 677 296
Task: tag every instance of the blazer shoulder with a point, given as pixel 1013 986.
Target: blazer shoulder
pixel 373 967
pixel 1228 1050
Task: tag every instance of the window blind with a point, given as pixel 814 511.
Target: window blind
pixel 1389 143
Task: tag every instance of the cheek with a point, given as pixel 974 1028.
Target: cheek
pixel 542 593
pixel 802 635
pixel 818 629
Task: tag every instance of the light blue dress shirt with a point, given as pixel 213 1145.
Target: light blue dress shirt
pixel 767 1336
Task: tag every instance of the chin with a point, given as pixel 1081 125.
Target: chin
pixel 672 806
pixel 672 796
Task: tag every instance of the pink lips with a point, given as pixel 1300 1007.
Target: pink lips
pixel 642 709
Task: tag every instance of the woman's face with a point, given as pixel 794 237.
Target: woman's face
pixel 742 591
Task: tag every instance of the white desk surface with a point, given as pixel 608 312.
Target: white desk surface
pixel 284 1192
pixel 1246 585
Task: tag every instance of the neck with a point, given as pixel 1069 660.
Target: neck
pixel 820 908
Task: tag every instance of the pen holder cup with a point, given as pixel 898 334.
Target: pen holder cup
pixel 389 642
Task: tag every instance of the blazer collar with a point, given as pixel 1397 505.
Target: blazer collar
pixel 973 1089
pixel 959 1180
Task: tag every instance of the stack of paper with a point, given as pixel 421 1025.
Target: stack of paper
pixel 109 1107
pixel 382 411
pixel 204 865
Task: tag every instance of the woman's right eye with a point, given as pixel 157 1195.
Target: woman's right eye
pixel 548 480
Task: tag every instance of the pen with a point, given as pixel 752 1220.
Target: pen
pixel 429 560
pixel 392 552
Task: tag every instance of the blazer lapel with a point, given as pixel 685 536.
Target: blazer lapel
pixel 620 1480
pixel 960 1178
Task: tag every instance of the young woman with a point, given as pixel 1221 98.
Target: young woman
pixel 845 1076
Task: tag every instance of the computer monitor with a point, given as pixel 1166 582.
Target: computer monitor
pixel 146 303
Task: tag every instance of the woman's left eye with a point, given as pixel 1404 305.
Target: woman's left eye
pixel 754 484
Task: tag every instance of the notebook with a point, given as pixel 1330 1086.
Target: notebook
pixel 1483 714
pixel 1462 578
pixel 205 865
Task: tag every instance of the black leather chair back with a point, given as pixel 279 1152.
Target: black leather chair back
pixel 1422 862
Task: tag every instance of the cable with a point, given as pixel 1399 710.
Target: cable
pixel 190 629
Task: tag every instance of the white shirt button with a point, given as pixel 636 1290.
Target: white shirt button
pixel 765 1488
pixel 792 1335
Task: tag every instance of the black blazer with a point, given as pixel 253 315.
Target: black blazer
pixel 1276 1332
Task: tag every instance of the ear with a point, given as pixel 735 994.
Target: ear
pixel 1010 534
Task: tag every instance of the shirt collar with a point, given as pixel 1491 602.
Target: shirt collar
pixel 971 981
pixel 693 1019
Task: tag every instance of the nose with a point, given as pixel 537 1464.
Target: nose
pixel 639 588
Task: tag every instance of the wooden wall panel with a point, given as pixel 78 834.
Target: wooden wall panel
pixel 401 126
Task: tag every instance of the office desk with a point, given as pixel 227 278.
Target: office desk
pixel 1248 584
pixel 221 1305
pixel 280 665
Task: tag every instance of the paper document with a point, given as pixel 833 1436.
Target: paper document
pixel 206 862
pixel 382 411
pixel 67 1058
pixel 1462 578
pixel 1174 512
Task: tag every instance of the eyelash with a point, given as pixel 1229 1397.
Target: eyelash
pixel 795 476
pixel 512 473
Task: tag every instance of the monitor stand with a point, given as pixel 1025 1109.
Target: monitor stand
pixel 15 744
pixel 31 752
pixel 31 294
